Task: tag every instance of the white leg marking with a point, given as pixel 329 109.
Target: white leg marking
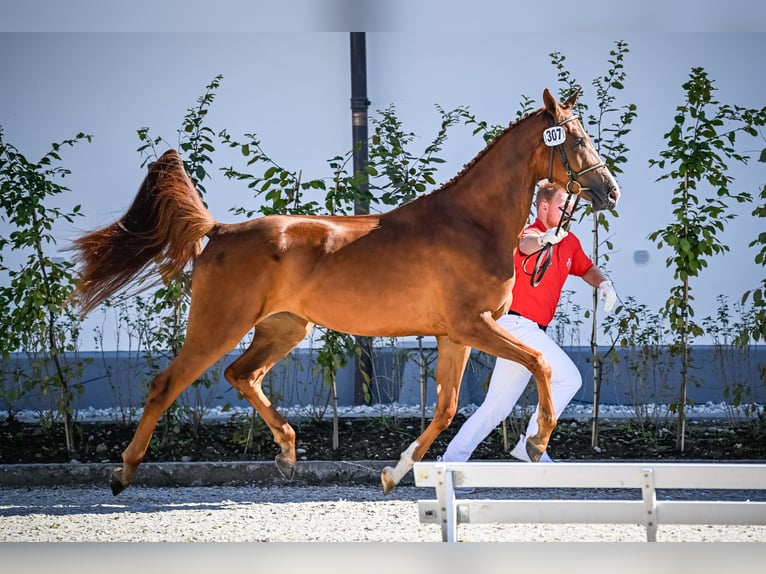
pixel 405 463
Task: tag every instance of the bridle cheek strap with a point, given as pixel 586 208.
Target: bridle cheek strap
pixel 573 175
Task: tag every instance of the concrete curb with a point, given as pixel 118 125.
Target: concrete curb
pixel 164 474
pixel 232 473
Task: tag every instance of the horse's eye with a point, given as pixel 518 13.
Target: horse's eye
pixel 579 142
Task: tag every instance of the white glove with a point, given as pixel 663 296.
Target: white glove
pixel 551 236
pixel 607 294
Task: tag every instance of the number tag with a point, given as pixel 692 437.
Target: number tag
pixel 554 136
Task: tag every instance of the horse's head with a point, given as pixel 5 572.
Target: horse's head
pixel 574 163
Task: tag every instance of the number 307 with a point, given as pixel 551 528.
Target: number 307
pixel 554 136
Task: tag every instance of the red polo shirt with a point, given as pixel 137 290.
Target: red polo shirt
pixel 539 303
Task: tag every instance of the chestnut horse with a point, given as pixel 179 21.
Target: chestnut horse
pixel 440 265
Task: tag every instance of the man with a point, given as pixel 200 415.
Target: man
pixel 532 308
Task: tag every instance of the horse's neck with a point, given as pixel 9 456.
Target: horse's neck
pixel 497 190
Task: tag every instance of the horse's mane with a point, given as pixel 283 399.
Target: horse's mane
pixel 492 143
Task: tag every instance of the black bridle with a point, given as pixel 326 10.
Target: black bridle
pixel 572 174
pixel 544 256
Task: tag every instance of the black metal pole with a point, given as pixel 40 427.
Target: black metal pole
pixel 363 374
pixel 359 105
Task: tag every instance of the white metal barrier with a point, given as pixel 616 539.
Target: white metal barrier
pixel 647 477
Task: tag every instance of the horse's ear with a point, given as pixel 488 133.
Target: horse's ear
pixel 573 98
pixel 552 105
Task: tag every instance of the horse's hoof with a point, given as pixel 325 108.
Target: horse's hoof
pixel 387 480
pixel 285 467
pixel 116 484
pixel 533 452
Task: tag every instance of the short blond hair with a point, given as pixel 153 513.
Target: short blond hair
pixel 546 191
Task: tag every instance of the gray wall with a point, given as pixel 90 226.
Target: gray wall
pixel 120 379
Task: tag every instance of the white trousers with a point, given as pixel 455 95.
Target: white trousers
pixel 508 381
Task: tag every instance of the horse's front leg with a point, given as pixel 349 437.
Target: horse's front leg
pixel 449 374
pixel 485 334
pixel 546 417
pixel 538 365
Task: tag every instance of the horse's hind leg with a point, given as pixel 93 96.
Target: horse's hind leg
pixel 274 337
pixel 206 342
pixel 449 374
pixel 165 388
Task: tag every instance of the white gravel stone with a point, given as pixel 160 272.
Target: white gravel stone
pixel 285 514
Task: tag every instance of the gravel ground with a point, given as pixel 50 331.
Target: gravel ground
pixel 287 514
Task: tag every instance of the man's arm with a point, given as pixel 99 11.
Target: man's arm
pixel 606 292
pixel 533 240
pixel 594 277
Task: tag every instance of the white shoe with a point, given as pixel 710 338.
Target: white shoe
pixel 519 452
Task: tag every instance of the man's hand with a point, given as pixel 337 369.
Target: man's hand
pixel 551 236
pixel 607 294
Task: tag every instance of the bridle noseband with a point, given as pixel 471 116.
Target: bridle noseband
pixel 544 256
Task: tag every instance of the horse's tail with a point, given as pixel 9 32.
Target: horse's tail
pixel 165 225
